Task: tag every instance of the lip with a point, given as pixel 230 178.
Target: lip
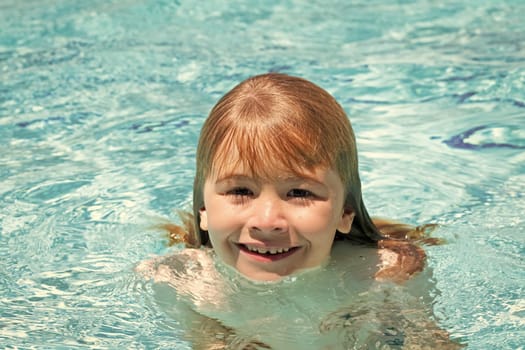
pixel 266 253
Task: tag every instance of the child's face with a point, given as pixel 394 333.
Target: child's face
pixel 269 228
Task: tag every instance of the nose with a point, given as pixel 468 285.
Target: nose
pixel 268 215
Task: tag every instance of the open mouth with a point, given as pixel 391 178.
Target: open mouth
pixel 267 254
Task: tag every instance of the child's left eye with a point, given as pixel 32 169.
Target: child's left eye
pixel 299 193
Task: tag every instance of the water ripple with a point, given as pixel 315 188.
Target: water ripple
pixel 101 103
pixel 489 136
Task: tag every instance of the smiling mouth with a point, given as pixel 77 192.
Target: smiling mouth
pixel 270 254
pixel 271 251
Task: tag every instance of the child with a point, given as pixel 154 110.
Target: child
pixel 276 195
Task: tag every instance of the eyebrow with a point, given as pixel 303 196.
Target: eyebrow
pixel 228 177
pixel 291 178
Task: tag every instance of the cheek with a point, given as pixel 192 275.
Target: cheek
pixel 321 219
pixel 221 218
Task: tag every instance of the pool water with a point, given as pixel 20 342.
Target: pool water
pixel 101 103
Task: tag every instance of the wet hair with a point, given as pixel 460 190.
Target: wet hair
pixel 275 123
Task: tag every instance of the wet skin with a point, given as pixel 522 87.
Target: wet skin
pixel 270 228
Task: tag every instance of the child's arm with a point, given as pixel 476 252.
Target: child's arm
pixel 401 258
pixel 205 333
pixel 175 286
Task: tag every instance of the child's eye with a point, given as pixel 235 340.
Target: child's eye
pixel 300 193
pixel 239 195
pixel 240 191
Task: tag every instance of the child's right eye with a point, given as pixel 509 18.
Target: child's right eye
pixel 240 192
pixel 239 195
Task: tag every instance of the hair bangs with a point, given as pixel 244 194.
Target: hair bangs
pixel 269 150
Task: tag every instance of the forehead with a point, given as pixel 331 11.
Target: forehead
pixel 259 165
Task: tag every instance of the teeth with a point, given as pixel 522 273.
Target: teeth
pixel 267 251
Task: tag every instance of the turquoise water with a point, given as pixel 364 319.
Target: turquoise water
pixel 101 103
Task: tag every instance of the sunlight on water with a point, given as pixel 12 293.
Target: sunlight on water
pixel 101 103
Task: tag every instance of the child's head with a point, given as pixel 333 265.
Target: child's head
pixel 272 124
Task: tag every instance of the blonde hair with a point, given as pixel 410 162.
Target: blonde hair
pixel 275 122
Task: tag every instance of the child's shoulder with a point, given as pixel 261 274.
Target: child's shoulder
pixel 399 260
pixel 189 272
pixel 184 262
pixel 399 254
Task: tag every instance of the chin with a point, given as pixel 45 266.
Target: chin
pixel 264 276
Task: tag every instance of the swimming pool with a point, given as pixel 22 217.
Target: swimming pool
pixel 100 108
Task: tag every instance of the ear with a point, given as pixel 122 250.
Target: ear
pixel 203 219
pixel 345 224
